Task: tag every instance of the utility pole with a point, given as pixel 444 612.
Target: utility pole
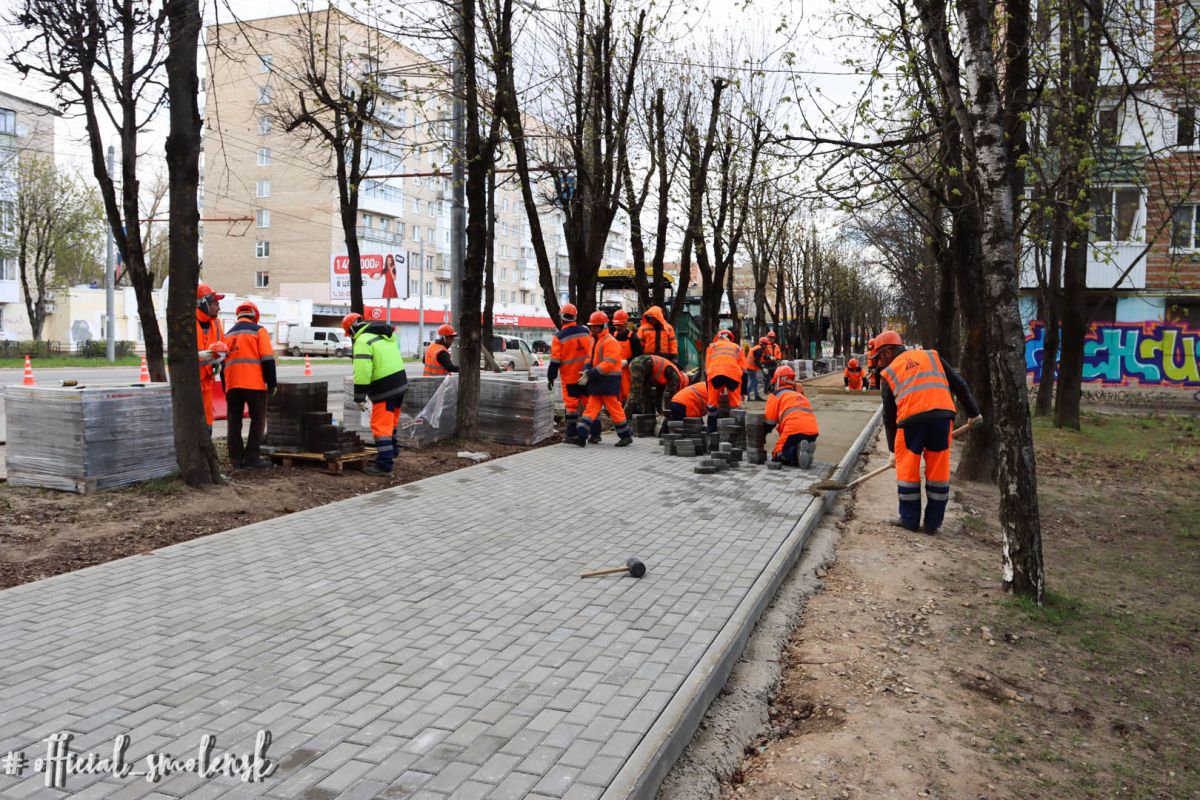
pixel 110 281
pixel 421 301
pixel 458 211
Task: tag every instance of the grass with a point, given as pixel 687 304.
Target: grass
pixel 1058 610
pixel 57 362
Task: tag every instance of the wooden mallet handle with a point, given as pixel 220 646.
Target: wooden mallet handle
pixel 605 571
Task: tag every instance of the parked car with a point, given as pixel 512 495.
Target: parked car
pixel 512 354
pixel 304 340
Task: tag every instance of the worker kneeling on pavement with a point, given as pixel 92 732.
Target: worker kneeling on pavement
pixel 852 376
pixel 918 412
pixel 249 378
pixel 569 351
pixel 603 379
pixel 691 401
pixel 378 375
pixel 655 380
pixel 789 408
pixel 724 365
pixel 437 355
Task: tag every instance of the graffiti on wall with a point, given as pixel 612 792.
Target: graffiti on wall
pixel 1123 353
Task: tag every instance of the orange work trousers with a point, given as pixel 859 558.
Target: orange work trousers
pixel 609 403
pixel 928 441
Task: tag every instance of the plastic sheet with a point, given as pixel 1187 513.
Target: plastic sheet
pixel 88 438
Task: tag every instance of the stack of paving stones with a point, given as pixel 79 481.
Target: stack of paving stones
pixel 756 437
pixel 287 410
pixel 514 409
pixel 726 447
pixel 321 435
pixel 643 425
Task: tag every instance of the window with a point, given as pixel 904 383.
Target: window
pixel 413 286
pixel 429 207
pixel 429 263
pixel 264 63
pixel 368 221
pixel 264 156
pixel 264 95
pixel 1189 23
pixel 1115 214
pixel 264 125
pixel 503 296
pixel 8 269
pixel 1108 125
pixel 1185 227
pixel 416 230
pixel 8 222
pixel 263 189
pixel 1185 130
pixel 442 289
pixel 416 206
pixel 261 280
pixel 262 249
pixel 262 218
pixel 8 121
pixel 429 287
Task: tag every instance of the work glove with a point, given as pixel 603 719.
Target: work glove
pixel 550 384
pixel 892 460
pixel 975 422
pixel 274 391
pixel 362 405
pixel 845 388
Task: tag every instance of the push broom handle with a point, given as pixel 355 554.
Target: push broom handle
pixel 606 571
pixel 886 467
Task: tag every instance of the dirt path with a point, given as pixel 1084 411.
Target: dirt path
pixel 913 676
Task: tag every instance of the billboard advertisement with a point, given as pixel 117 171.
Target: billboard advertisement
pixel 384 276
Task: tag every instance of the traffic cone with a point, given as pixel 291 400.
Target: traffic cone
pixel 307 366
pixel 28 379
pixel 144 373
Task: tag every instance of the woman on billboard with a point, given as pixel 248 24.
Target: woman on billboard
pixel 389 276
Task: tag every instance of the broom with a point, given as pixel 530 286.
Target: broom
pixel 829 485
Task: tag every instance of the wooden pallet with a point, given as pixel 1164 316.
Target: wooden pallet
pixel 334 464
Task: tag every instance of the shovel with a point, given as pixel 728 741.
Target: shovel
pixel 837 486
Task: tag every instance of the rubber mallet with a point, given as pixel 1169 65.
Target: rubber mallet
pixel 634 567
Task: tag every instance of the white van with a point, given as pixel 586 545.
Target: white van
pixel 305 340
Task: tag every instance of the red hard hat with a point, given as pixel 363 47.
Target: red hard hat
pixel 219 347
pixel 785 374
pixel 763 340
pixel 620 316
pixel 852 363
pixel 569 311
pixel 446 329
pixel 723 334
pixel 598 318
pixel 770 334
pixel 204 292
pixel 889 337
pixel 349 321
pixel 247 309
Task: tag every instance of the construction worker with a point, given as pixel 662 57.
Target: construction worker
pixel 631 348
pixel 919 388
pixel 437 355
pixel 873 378
pixel 603 378
pixel 691 401
pixel 723 364
pixel 773 349
pixel 790 409
pixel 755 364
pixel 249 379
pixel 852 376
pixel 379 376
pixel 657 335
pixel 655 381
pixel 208 333
pixel 570 349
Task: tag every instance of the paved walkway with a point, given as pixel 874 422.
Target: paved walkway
pixel 428 641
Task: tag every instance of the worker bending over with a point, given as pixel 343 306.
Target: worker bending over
pixel 852 376
pixel 603 379
pixel 691 401
pixel 379 376
pixel 790 409
pixel 723 364
pixel 249 378
pixel 437 355
pixel 655 381
pixel 570 349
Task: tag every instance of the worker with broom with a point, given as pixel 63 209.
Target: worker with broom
pixel 918 391
pixel 790 409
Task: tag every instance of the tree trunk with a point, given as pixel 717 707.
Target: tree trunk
pixel 1045 392
pixel 193 441
pixel 489 288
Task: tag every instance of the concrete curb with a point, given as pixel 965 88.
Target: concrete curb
pixel 668 737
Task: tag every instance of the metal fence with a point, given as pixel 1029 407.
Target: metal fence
pixel 55 349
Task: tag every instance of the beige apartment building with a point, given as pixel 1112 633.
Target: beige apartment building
pixel 270 201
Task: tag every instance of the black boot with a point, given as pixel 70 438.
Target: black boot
pixel 624 441
pixel 594 439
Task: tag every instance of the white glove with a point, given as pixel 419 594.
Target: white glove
pixel 975 422
pixel 845 388
pixel 363 405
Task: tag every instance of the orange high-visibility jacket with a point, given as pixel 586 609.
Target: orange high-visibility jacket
pixel 854 377
pixel 661 367
pixel 775 351
pixel 432 367
pixel 918 383
pixel 657 341
pixel 626 346
pixel 724 358
pixel 570 349
pixel 206 339
pixel 251 360
pixel 793 413
pixel 605 359
pixel 694 399
pixel 756 354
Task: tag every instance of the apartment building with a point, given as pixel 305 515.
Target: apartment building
pixel 270 202
pixel 26 128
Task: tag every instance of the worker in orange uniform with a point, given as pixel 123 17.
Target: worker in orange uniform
pixel 631 347
pixel 437 355
pixel 603 378
pixel 723 364
pixel 773 348
pixel 380 376
pixel 657 335
pixel 208 333
pixel 570 349
pixel 919 388
pixel 692 401
pixel 790 409
pixel 873 378
pixel 852 376
pixel 756 363
pixel 249 379
pixel 655 381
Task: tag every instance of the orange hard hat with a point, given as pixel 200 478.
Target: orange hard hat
pixel 598 318
pixel 784 374
pixel 205 292
pixel 770 334
pixel 853 363
pixel 763 340
pixel 620 316
pixel 870 345
pixel 247 309
pixel 888 338
pixel 723 334
pixel 219 347
pixel 569 311
pixel 350 320
pixel 446 329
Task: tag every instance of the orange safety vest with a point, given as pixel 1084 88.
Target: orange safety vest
pixel 775 351
pixel 658 341
pixel 626 346
pixel 248 349
pixel 854 376
pixel 724 358
pixel 432 367
pixel 659 368
pixel 570 349
pixel 605 359
pixel 755 358
pixel 206 339
pixel 694 399
pixel 792 412
pixel 918 384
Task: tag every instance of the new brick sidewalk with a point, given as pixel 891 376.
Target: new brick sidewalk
pixel 428 641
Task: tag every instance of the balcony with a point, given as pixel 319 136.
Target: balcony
pixel 376 235
pixel 1107 263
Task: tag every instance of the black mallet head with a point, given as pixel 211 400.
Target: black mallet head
pixel 636 568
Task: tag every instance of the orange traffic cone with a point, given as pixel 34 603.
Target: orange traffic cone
pixel 28 380
pixel 307 367
pixel 144 373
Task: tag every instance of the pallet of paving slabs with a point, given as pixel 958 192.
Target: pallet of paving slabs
pixel 334 462
pixel 287 408
pixel 514 409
